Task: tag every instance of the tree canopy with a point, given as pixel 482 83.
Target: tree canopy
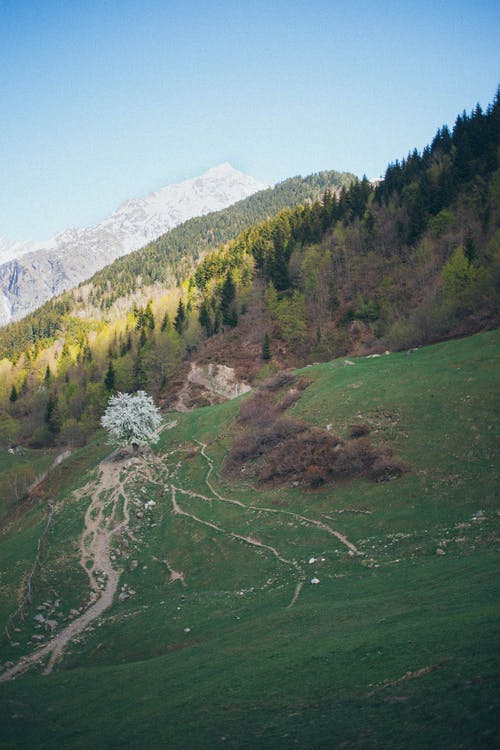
pixel 131 419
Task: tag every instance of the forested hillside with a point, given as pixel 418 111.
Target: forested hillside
pixel 161 264
pixel 405 262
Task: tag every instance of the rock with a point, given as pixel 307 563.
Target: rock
pixel 139 514
pixel 50 625
pixel 74 612
pixel 348 362
pixel 187 630
pixel 37 638
pixel 133 564
pixel 314 580
pixel 440 551
pixel 312 560
pixel 39 618
pixel 123 596
pixel 8 664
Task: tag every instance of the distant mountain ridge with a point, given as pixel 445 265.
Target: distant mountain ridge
pixel 38 271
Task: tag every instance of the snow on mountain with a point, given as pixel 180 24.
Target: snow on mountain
pixel 31 273
pixel 10 249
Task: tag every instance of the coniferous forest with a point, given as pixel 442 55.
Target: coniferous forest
pixel 318 267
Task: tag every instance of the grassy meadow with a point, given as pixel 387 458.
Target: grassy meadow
pixel 359 615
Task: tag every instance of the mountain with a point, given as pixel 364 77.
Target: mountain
pixel 164 263
pixel 40 271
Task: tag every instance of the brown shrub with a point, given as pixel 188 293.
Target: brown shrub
pixel 280 380
pixel 261 439
pixel 303 383
pixel 386 468
pixel 288 400
pixel 359 430
pixel 286 449
pixel 259 409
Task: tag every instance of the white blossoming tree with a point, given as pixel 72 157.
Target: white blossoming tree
pixel 131 419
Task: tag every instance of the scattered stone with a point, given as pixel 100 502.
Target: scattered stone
pixel 74 613
pixel 39 618
pixel 440 551
pixel 312 560
pixel 37 638
pixel 348 362
pixel 8 664
pixel 314 580
pixel 187 630
pixel 133 564
pixel 139 514
pixel 50 625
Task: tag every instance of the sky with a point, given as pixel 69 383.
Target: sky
pixel 105 100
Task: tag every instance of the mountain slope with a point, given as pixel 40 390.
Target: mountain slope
pixel 221 636
pixel 74 255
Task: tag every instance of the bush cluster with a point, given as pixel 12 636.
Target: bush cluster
pixel 278 448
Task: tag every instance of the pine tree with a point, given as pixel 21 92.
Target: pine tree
pixel 109 378
pixel 227 296
pixel 180 318
pixel 266 348
pixel 13 394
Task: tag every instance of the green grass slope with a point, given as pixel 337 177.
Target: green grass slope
pixel 226 642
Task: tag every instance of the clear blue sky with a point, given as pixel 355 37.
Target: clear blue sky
pixel 102 100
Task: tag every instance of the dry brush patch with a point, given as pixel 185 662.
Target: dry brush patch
pixel 276 448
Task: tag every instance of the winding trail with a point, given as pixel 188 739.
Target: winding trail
pixel 101 524
pixel 95 560
pixel 319 524
pixel 353 550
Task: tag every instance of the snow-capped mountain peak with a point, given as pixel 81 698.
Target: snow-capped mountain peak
pixel 31 273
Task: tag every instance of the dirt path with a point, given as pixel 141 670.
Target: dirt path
pixel 311 521
pixel 101 524
pixel 95 560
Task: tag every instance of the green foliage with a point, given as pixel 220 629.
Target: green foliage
pixel 110 377
pixel 266 348
pixel 180 317
pixel 394 647
pixel 410 260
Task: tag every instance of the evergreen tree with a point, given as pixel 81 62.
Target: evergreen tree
pixel 227 297
pixel 180 318
pixel 109 378
pixel 266 348
pixel 148 319
pixel 13 394
pixel 205 319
